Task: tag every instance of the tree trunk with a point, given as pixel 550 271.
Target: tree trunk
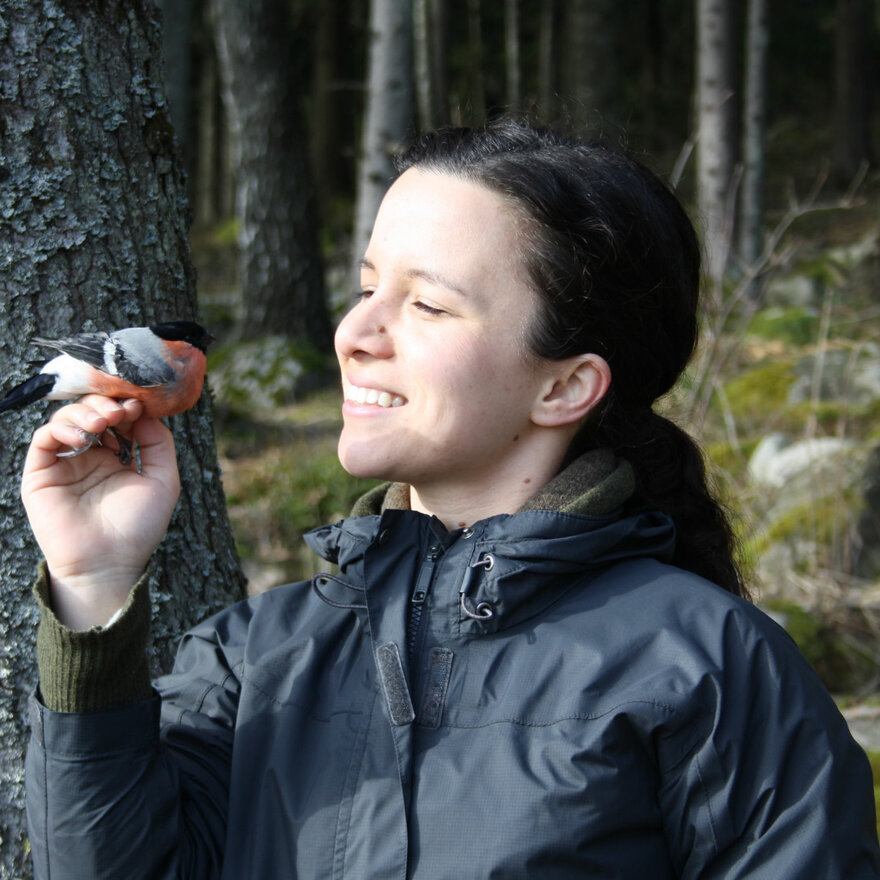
pixel 177 57
pixel 93 235
pixel 853 87
pixel 214 187
pixel 331 124
pixel 716 124
pixel 282 274
pixel 476 75
pixel 429 63
pixel 546 59
pixel 751 216
pixel 512 59
pixel 591 70
pixel 422 72
pixel 387 111
pixel 438 38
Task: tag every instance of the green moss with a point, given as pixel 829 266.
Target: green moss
pixel 838 661
pixel 820 519
pixel 760 390
pixel 793 326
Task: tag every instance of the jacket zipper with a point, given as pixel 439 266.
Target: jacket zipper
pixel 417 606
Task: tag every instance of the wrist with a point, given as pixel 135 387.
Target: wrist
pixel 89 599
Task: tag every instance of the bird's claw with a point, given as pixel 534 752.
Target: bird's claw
pixel 89 440
pixel 125 453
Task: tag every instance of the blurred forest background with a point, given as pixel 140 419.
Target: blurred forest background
pixel 226 158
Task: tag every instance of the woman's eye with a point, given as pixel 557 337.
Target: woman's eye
pixel 359 295
pixel 426 308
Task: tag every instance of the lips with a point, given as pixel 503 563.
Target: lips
pixel 372 396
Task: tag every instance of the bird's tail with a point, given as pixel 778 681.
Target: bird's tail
pixel 31 390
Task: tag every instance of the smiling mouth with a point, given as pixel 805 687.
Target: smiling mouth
pixel 372 396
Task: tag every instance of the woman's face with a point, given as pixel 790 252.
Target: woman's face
pixel 438 381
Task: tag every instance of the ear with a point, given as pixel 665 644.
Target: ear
pixel 574 388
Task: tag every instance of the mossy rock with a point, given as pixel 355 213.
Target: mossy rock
pixel 263 374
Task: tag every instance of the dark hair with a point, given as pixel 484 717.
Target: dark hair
pixel 616 262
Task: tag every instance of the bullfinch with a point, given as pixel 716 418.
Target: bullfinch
pixel 163 366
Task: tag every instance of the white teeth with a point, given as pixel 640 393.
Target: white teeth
pixel 372 396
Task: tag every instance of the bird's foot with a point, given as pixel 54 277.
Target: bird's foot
pixel 89 440
pixel 127 452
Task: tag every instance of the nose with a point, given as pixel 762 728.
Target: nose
pixel 364 330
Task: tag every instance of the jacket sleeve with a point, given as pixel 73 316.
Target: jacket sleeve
pixel 775 787
pixel 137 790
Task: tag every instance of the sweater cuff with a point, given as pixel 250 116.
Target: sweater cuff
pixel 101 668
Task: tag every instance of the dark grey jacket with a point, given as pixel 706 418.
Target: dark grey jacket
pixel 601 715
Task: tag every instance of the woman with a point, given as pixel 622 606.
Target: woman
pixel 535 660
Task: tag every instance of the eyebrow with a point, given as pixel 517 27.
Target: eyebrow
pixel 435 278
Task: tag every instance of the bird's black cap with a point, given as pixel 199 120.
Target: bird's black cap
pixel 184 331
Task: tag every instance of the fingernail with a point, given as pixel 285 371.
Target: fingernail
pixel 110 406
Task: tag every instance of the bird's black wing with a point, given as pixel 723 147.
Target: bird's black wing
pixel 88 347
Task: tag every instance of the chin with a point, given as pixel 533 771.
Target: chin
pixel 356 463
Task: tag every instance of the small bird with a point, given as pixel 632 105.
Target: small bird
pixel 163 366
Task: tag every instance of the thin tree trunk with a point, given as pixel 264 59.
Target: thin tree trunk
pixel 327 118
pixel 476 75
pixel 438 27
pixel 422 68
pixel 429 63
pixel 282 272
pixel 512 59
pixel 751 217
pixel 716 115
pixel 546 59
pixel 590 66
pixel 93 234
pixel 177 56
pixel 388 109
pixel 853 89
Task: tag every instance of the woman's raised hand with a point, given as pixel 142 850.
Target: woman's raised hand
pixel 97 521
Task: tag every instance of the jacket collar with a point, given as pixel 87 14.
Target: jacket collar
pixel 512 564
pixel 594 484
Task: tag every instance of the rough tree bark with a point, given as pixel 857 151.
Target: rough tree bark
pixel 93 234
pixel 716 126
pixel 282 273
pixel 388 109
